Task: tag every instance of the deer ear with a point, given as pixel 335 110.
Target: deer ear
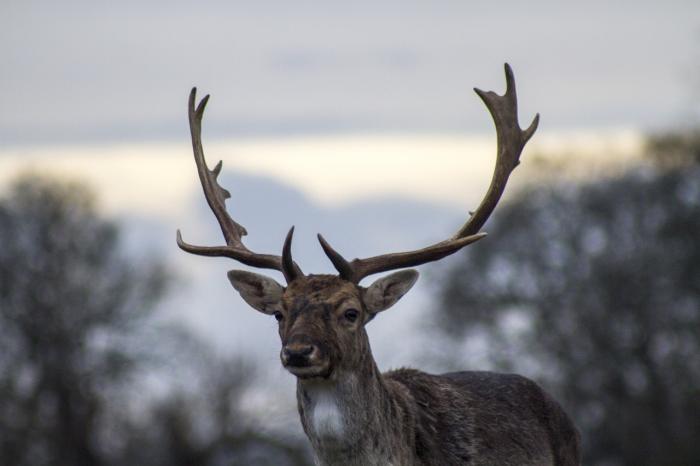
pixel 262 293
pixel 384 293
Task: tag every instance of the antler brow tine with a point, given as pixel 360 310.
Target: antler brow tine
pixel 510 142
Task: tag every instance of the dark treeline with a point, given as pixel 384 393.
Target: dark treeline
pixel 594 290
pixel 77 344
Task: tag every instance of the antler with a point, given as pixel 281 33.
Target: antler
pixel 216 198
pixel 510 142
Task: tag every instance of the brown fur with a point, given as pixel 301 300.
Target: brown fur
pixel 354 415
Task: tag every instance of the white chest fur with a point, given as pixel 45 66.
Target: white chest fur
pixel 338 419
pixel 325 412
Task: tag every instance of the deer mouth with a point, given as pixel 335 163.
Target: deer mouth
pixel 323 370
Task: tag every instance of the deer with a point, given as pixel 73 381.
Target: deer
pixel 353 414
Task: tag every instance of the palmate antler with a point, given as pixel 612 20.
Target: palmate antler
pixel 510 142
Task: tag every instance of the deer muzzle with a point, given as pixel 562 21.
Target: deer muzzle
pixel 304 360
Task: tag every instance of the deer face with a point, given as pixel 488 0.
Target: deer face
pixel 322 317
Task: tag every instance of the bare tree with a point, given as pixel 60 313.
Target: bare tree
pixel 75 337
pixel 596 289
pixel 70 301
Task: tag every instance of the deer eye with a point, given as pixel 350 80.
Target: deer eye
pixel 278 315
pixel 351 315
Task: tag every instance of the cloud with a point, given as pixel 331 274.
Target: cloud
pixel 86 71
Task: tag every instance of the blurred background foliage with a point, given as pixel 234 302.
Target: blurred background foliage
pixel 79 343
pixel 592 288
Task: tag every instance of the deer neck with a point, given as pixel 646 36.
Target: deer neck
pixel 351 418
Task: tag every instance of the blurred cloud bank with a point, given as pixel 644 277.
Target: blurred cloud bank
pixel 158 178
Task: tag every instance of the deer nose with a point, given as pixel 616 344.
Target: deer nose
pixel 297 354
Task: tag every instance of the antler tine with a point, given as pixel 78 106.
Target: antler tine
pixel 357 269
pixel 216 198
pixel 344 268
pixel 510 142
pixel 215 195
pixel 290 269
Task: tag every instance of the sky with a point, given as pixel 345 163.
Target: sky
pixel 80 71
pixel 354 119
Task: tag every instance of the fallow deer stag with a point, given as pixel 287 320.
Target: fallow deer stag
pixel 351 412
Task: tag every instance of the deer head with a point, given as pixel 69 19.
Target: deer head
pixel 322 317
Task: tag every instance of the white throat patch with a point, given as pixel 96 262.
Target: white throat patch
pixel 326 416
